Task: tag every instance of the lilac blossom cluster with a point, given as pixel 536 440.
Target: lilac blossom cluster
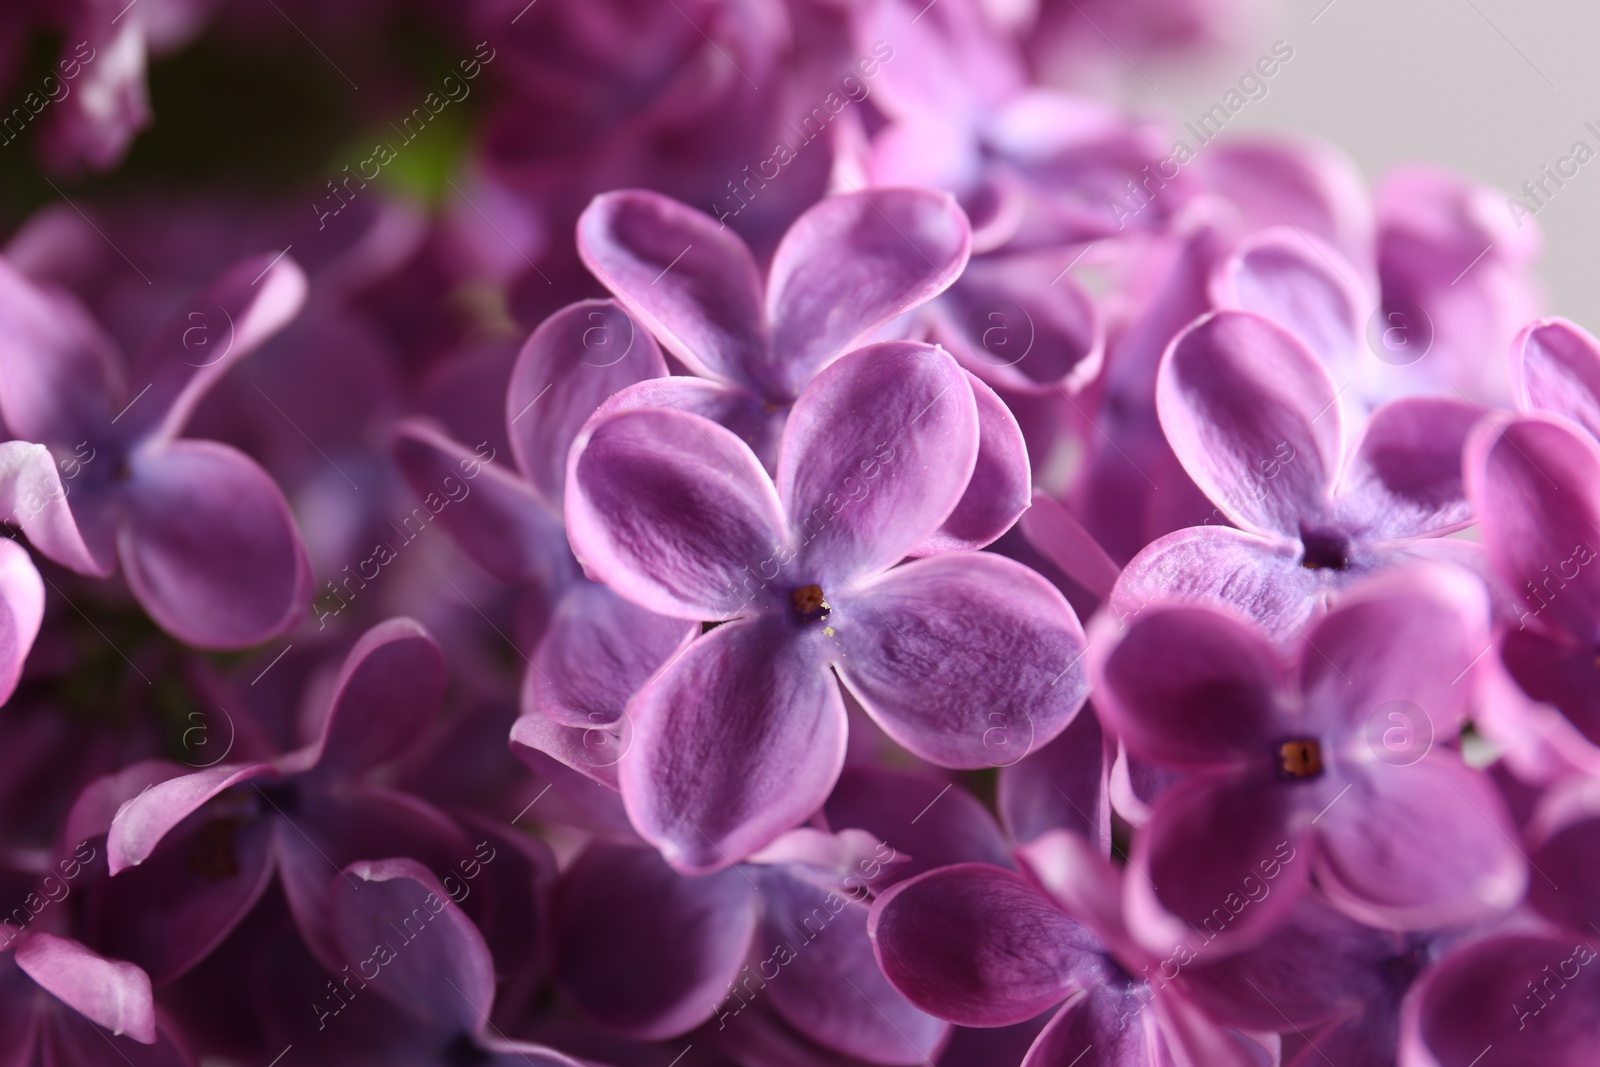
pixel 933 596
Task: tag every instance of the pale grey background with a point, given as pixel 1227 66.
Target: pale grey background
pixel 1492 88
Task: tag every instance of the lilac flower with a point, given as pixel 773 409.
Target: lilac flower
pixel 294 815
pixel 785 931
pixel 983 946
pixel 742 736
pixel 1330 763
pixel 1253 417
pixel 598 648
pixel 205 539
pixel 846 268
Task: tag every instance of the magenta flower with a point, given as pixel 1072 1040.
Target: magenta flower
pixel 1331 763
pixel 205 538
pixel 1254 419
pixel 983 946
pixel 742 736
pixel 844 271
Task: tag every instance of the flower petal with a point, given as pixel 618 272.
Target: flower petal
pixel 1063 540
pixel 1251 414
pixel 1191 686
pixel 142 822
pixel 1555 367
pixel 1259 577
pixel 210 548
pixel 1420 847
pixel 390 687
pixel 1534 483
pixel 875 457
pixel 734 407
pixel 110 993
pixel 1060 786
pixel 395 915
pixel 830 987
pixel 1200 889
pixel 850 264
pixel 695 930
pixel 496 517
pixel 34 497
pixel 1000 487
pixel 690 281
pixel 979 946
pixel 1102 1026
pixel 580 356
pixel 596 653
pixel 673 512
pixel 968 660
pixel 922 822
pixel 21 613
pixel 1303 285
pixel 1492 999
pixel 55 365
pixel 1405 477
pixel 206 336
pixel 738 740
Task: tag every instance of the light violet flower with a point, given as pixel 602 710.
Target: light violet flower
pixel 743 735
pixel 1332 763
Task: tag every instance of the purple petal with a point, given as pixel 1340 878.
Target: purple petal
pixel 35 497
pixel 142 822
pixel 1190 686
pixel 1555 367
pixel 1064 541
pixel 1304 286
pixel 968 660
pixel 1060 786
pixel 1419 847
pixel 737 741
pixel 1534 483
pixel 400 929
pixel 579 356
pixel 1565 834
pixel 1215 893
pixel 1001 485
pixel 596 653
pixel 929 824
pixel 1250 412
pixel 734 407
pixel 389 690
pixel 1260 577
pixel 592 751
pixel 830 987
pixel 1509 1001
pixel 110 993
pixel 1398 643
pixel 979 946
pixel 55 364
pixel 875 457
pixel 672 511
pixel 1104 1026
pixel 1083 882
pixel 19 1017
pixel 617 905
pixel 496 517
pixel 21 613
pixel 851 264
pixel 689 280
pixel 1405 478
pixel 210 548
pixel 209 333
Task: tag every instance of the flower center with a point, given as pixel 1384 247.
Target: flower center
pixel 810 603
pixel 1300 758
pixel 1324 551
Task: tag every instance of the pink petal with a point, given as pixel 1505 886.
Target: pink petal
pixel 1555 367
pixel 1000 487
pixel 1405 477
pixel 572 363
pixel 672 511
pixel 968 660
pixel 110 993
pixel 390 687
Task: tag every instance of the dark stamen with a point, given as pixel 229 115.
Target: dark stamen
pixel 1324 552
pixel 810 603
pixel 1300 758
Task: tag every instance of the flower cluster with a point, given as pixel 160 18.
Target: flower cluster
pixel 772 533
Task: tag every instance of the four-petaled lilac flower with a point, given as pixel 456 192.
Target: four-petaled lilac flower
pixel 1254 419
pixel 967 659
pixel 204 535
pixel 1333 763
